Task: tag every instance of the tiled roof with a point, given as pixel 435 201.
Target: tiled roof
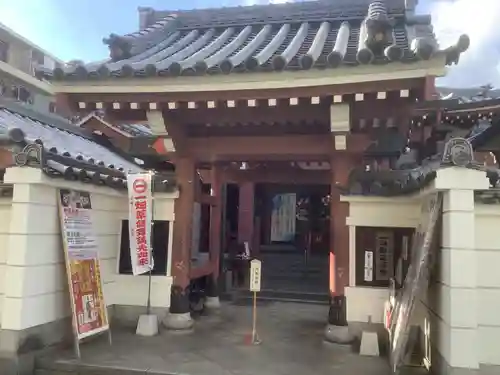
pixel 409 180
pixel 469 95
pixel 136 130
pixel 62 149
pixel 275 37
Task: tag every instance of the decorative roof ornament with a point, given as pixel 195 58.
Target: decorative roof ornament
pixel 458 152
pixel 120 47
pixel 32 155
pixel 376 33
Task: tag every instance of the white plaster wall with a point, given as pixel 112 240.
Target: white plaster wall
pixel 487 249
pixel 458 298
pixel 366 303
pixel 5 204
pixel 36 292
pixel 383 212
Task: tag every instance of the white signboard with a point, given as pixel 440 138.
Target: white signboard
pixel 140 219
pixel 368 265
pixel 255 275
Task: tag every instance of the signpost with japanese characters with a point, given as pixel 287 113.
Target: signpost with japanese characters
pixel 255 275
pixel 140 220
pixel 255 281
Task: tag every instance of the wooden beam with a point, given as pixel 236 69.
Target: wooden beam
pixel 292 147
pixel 285 93
pixel 171 137
pixel 283 113
pixel 277 176
pixel 258 148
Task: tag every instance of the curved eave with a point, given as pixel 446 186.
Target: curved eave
pixel 258 81
pixel 294 46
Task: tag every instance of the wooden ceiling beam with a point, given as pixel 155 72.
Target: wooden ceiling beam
pixel 290 147
pixel 272 176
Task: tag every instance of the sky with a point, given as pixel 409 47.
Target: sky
pixel 73 29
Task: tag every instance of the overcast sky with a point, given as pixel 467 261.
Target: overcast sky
pixel 72 29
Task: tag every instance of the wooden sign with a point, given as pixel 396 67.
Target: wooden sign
pixel 369 266
pixel 255 275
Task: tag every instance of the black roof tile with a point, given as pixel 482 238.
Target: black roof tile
pixel 61 149
pixel 470 95
pixel 273 37
pixel 410 180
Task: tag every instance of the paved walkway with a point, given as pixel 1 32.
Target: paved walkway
pixel 292 344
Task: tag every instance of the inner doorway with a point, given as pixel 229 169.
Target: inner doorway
pixel 294 238
pixel 293 218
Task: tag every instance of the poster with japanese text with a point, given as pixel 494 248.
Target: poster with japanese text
pixel 82 263
pixel 283 217
pixel 140 220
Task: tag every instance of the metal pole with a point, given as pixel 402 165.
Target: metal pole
pixel 254 318
pixel 150 274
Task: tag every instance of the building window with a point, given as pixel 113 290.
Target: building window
pixel 160 245
pixel 23 95
pixel 52 107
pixel 381 254
pixel 37 57
pixel 4 51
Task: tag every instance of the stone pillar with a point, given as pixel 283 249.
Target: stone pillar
pixel 453 299
pixel 179 316
pixel 212 298
pixel 337 330
pixel 246 212
pixel 35 303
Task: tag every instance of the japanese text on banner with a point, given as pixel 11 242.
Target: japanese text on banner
pixel 140 219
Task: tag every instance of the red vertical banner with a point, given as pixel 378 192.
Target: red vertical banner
pixel 140 220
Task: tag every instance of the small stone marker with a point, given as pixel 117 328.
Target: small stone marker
pixel 147 325
pixel 369 344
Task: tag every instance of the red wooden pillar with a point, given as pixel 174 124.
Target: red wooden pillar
pixel 182 240
pixel 246 213
pixel 339 238
pixel 212 288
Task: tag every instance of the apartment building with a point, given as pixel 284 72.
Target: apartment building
pixel 19 59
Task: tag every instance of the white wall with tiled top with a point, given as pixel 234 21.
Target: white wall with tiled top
pixel 487 249
pixel 5 204
pixel 35 284
pixel 463 299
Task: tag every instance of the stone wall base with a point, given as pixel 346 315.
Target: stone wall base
pixel 18 349
pixel 439 366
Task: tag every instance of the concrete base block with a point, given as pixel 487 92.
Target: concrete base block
pixel 178 321
pixel 212 303
pixel 369 344
pixel 338 334
pixel 147 325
